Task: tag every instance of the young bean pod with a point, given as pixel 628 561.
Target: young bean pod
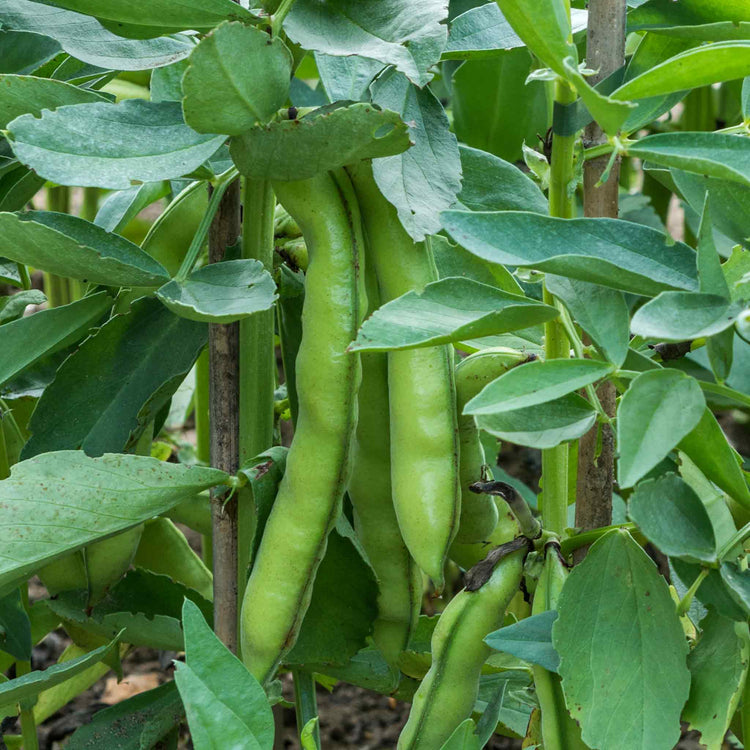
pixel 449 690
pixel 424 433
pixel 399 578
pixel 318 465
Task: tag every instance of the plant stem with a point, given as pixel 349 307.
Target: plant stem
pixel 203 435
pixel 28 723
pixel 586 538
pixel 280 15
pixel 224 388
pixel 687 600
pixel 90 203
pixel 305 701
pixel 257 358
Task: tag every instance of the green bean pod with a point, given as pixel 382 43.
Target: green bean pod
pixel 479 514
pixel 449 690
pixel 399 578
pixel 318 465
pixel 424 432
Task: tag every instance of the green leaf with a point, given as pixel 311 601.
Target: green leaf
pixel 18 187
pixel 159 16
pixel 87 40
pixel 566 418
pixel 517 701
pixel 426 178
pixel 221 292
pixel 492 184
pixel 610 252
pixel 712 154
pixel 20 95
pixel 536 383
pixel 226 706
pixel 116 382
pixel 737 582
pixel 138 722
pixel 529 639
pixel 483 31
pixel 73 247
pixel 671 516
pixel 59 502
pixel 395 32
pixel 463 738
pixel 110 145
pixel 659 409
pixel 698 66
pixel 695 19
pixel 221 97
pixel 28 339
pixel 15 627
pixel 617 596
pixel 446 311
pixel 323 140
pixel 710 274
pixel 718 665
pixel 120 207
pixel 601 312
pixel 30 685
pixel 713 592
pixel 679 316
pixel 24 52
pixel 13 306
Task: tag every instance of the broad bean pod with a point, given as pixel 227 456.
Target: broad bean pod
pixel 449 690
pixel 424 432
pixel 318 465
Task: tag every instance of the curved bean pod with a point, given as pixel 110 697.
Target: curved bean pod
pixel 318 465
pixel 424 433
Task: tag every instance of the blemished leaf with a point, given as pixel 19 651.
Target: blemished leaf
pixel 20 95
pixel 566 418
pixel 30 685
pixel 27 340
pixel 346 78
pixel 617 254
pixel 617 596
pixel 136 722
pixel 73 247
pixel 111 145
pixel 601 312
pixel 120 207
pixel 424 180
pixel 345 592
pixel 529 639
pixel 483 31
pixel 87 40
pixel 59 502
pixel 221 292
pixel 659 409
pixel 323 140
pixel 492 184
pixel 671 515
pixel 698 66
pixel 15 628
pixel 694 19
pixel 446 311
pixel 159 16
pixel 711 154
pixel 395 32
pixel 230 99
pixel 116 382
pixel 220 695
pixel 680 316
pixel 536 383
pixel 718 665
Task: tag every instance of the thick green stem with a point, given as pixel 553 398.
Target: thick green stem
pixel 257 358
pixel 305 701
pixel 55 287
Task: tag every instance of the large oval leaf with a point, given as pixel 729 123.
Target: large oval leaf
pixel 453 309
pixel 111 145
pixel 536 383
pixel 694 19
pixel 659 409
pixel 610 252
pixel 616 620
pixel 566 418
pixel 323 140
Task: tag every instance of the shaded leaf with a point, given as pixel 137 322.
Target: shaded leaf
pixel 693 18
pixel 13 306
pixel 463 738
pixel 323 140
pixel 737 582
pixel 617 596
pixel 713 591
pixel 529 639
pixel 111 145
pixel 450 310
pixel 346 78
pixel 120 207
pixel 15 627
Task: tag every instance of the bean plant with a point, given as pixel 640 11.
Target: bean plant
pixel 290 277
